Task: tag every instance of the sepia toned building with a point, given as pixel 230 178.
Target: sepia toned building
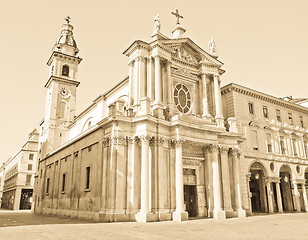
pixel 17 176
pixel 165 143
pixel 274 157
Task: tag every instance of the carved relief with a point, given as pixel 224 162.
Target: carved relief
pixel 180 53
pixel 184 72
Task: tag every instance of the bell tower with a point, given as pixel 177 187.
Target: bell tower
pixel 61 90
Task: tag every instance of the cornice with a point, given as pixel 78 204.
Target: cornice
pixel 135 45
pixel 64 56
pixel 262 96
pixel 61 80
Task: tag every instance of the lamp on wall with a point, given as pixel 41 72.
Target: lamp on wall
pixel 257 176
pixel 286 179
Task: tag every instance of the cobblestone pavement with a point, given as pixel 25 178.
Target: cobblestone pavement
pixel 274 227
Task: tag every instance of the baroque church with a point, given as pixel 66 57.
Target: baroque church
pixel 163 144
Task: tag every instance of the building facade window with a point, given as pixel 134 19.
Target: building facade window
pixel 301 120
pixel 88 172
pixel 254 137
pixel 265 112
pixel 278 115
pixel 295 153
pixel 269 143
pixel 182 98
pixel 63 182
pixel 31 156
pixel 47 186
pixel 251 108
pixel 282 148
pixel 65 70
pixel 28 179
pixel 290 119
pixel 29 167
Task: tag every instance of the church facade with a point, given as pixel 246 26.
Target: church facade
pixel 158 146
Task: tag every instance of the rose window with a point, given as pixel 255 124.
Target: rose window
pixel 182 98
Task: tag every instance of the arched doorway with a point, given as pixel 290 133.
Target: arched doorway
pixel 257 188
pixel 285 175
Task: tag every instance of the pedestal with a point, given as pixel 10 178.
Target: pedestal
pixel 158 109
pixel 146 217
pixel 220 122
pixel 219 214
pixel 179 216
pixel 241 213
pixel 144 107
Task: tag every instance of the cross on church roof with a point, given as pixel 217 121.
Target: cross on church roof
pixel 68 19
pixel 177 15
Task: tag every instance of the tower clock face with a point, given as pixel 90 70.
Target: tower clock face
pixel 64 92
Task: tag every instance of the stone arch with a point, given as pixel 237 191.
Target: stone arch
pixel 257 187
pixel 86 125
pixel 286 175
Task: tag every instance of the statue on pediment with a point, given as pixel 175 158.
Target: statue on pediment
pixel 212 46
pixel 156 24
pixel 182 54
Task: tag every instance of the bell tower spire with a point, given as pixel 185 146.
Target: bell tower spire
pixel 61 90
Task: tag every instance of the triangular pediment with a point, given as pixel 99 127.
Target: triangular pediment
pixel 186 50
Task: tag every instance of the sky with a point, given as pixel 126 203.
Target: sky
pixel 263 45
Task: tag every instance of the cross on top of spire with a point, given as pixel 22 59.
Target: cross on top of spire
pixel 177 15
pixel 68 19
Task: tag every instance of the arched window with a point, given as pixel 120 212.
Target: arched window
pixel 65 70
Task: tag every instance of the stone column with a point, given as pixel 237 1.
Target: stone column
pixel 236 177
pixel 149 79
pixel 136 81
pixel 219 118
pixel 142 78
pixel 131 84
pixel 218 213
pixel 179 214
pixel 144 215
pixel 279 200
pixel 208 174
pixel 226 179
pixel 168 66
pixel 205 107
pixel 158 87
pixel 269 197
pixel 305 197
pixel 296 197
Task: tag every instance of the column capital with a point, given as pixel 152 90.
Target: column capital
pixel 234 152
pixel 131 63
pixel 145 138
pixel 156 57
pixel 133 139
pixel 176 142
pixel 224 150
pixel 214 147
pixel 207 149
pixel 157 140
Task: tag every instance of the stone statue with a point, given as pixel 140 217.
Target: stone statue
pixel 68 19
pixel 156 24
pixel 178 16
pixel 212 46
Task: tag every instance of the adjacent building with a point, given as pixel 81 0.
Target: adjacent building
pixel 274 157
pixel 17 176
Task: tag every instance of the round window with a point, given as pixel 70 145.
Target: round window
pixel 272 166
pixel 298 169
pixel 182 98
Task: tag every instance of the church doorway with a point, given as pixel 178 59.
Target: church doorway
pixel 286 188
pixel 190 200
pixel 257 188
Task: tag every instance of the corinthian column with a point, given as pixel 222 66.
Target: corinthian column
pixel 225 178
pixel 131 84
pixel 142 77
pixel 217 94
pixel 179 214
pixel 237 187
pixel 144 215
pixel 158 87
pixel 218 213
pixel 205 109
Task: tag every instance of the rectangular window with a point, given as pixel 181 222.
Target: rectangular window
pixel 63 182
pixel 290 118
pixel 269 142
pixel 28 179
pixel 88 177
pixel 294 146
pixel 29 167
pixel 278 115
pixel 31 155
pixel 254 137
pixel 283 150
pixel 301 119
pixel 265 112
pixel 47 186
pixel 250 106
